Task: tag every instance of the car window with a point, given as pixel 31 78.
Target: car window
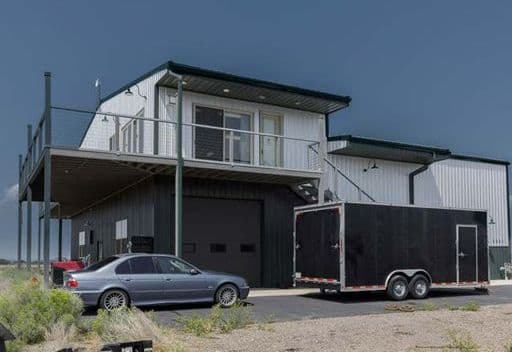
pixel 142 265
pixel 100 264
pixel 123 268
pixel 169 265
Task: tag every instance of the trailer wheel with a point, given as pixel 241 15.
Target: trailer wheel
pixel 398 288
pixel 419 286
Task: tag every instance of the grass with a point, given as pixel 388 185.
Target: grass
pixel 462 342
pixel 219 320
pixel 429 306
pixel 468 307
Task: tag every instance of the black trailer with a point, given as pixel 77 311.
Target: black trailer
pixel 398 248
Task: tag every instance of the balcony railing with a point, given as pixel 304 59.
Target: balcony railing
pixel 124 134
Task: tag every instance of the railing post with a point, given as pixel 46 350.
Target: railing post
pixel 47 179
pixel 117 139
pixel 231 147
pixel 20 212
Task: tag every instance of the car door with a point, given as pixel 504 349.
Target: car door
pixel 183 282
pixel 144 283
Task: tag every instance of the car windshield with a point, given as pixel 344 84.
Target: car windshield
pixel 100 264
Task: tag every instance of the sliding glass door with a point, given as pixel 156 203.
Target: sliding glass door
pixel 220 145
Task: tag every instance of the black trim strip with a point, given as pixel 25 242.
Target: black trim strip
pixel 411 181
pixel 479 159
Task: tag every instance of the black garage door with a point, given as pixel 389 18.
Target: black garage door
pixel 223 235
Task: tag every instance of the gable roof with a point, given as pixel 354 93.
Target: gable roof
pixel 243 88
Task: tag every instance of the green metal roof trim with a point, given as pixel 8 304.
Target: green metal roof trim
pixel 416 148
pixel 221 76
pixel 390 144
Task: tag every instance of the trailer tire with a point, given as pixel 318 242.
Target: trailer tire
pixel 419 286
pixel 398 288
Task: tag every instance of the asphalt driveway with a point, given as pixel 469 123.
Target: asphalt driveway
pixel 315 305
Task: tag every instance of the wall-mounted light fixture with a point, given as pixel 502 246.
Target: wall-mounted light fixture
pixel 491 221
pixel 129 92
pixel 372 167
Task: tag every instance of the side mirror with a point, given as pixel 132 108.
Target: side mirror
pixel 193 272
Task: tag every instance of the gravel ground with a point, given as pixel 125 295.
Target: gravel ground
pixel 490 328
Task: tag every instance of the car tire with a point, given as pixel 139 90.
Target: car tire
pixel 419 286
pixel 114 299
pixel 398 288
pixel 227 295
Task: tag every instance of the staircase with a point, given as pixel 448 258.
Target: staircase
pixel 333 176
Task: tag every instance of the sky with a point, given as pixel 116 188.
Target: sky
pixel 430 72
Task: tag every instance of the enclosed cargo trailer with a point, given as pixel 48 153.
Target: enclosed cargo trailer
pixel 398 248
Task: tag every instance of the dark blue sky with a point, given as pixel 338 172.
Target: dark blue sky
pixel 431 72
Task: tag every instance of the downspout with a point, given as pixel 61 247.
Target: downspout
pixel 178 195
pixel 411 181
pixel 156 115
pixel 322 155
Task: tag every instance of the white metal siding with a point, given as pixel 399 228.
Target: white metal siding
pixel 388 184
pixel 296 123
pixel 99 132
pixel 471 185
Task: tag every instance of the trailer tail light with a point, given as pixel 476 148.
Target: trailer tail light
pixel 72 283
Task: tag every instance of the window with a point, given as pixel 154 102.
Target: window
pixel 131 135
pixel 247 248
pixel 100 264
pixel 121 236
pixel 123 268
pixel 142 265
pixel 169 265
pixel 214 144
pixel 81 244
pixel 217 248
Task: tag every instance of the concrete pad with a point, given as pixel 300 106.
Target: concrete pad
pixel 500 282
pixel 277 292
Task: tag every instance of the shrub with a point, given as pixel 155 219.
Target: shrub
pixel 220 320
pixel 462 342
pixel 29 310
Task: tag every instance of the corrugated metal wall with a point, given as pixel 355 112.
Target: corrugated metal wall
pixel 135 204
pixel 99 132
pixel 387 184
pixel 468 184
pixel 277 228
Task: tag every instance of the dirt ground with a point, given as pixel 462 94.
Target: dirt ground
pixel 490 329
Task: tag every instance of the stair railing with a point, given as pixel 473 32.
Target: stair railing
pixel 337 172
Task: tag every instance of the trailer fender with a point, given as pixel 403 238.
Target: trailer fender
pixel 408 273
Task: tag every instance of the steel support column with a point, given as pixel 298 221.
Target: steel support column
pixel 47 178
pixel 178 196
pixel 29 227
pixel 20 215
pixel 60 236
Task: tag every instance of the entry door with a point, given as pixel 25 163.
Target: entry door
pixel 270 147
pixel 317 244
pixel 467 262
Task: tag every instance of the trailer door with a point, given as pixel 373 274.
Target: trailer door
pixel 467 262
pixel 317 244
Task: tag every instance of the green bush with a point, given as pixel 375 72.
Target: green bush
pixel 29 310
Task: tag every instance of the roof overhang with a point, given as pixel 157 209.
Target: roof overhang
pixel 226 85
pixel 385 150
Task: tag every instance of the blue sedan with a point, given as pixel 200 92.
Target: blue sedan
pixel 152 279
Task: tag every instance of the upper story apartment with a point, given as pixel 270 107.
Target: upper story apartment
pixel 226 120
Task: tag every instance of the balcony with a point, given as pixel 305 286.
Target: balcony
pixel 92 155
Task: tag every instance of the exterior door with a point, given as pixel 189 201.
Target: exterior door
pixel 467 262
pixel 270 147
pixel 317 244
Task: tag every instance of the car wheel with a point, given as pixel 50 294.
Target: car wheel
pixel 114 299
pixel 398 288
pixel 227 295
pixel 419 286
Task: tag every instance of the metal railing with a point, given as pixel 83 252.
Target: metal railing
pixel 137 135
pixel 339 184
